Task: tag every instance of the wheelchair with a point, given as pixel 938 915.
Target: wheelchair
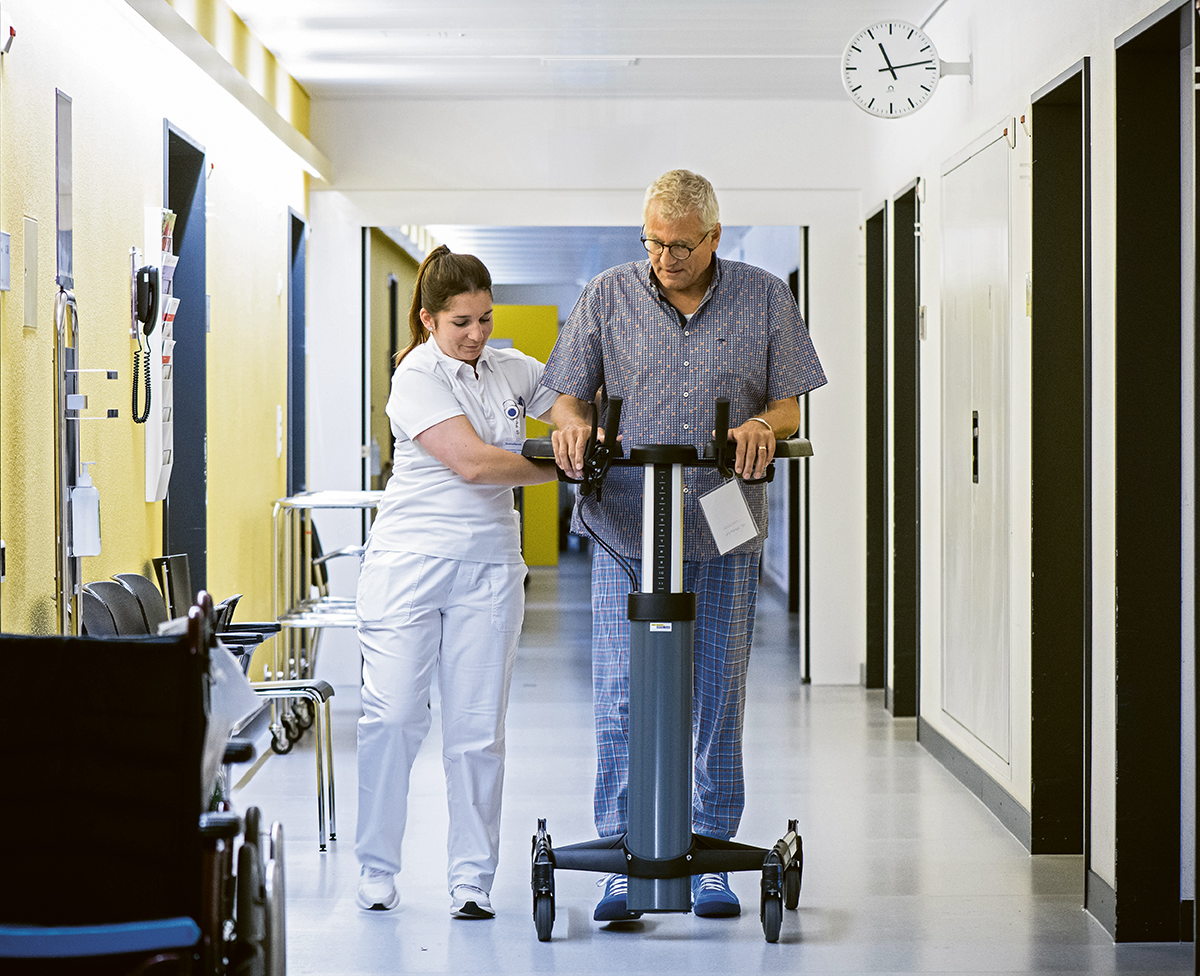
pixel 126 844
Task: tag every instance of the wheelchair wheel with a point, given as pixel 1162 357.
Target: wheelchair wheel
pixel 275 946
pixel 248 957
pixel 253 820
pixel 304 713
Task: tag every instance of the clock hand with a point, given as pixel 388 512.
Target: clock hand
pixel 889 62
pixel 912 64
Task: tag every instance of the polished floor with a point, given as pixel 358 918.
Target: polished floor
pixel 905 871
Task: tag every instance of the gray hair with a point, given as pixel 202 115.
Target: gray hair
pixel 681 193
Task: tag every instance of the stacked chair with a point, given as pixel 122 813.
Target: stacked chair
pixel 126 847
pixel 131 605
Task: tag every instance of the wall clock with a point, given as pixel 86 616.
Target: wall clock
pixel 890 69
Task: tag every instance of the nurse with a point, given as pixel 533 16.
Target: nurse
pixel 442 582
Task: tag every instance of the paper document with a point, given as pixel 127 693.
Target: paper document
pixel 728 516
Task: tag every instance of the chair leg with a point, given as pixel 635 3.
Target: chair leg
pixel 323 735
pixel 320 720
pixel 329 763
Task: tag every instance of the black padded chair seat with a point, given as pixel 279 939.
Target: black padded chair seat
pixel 154 607
pixel 125 608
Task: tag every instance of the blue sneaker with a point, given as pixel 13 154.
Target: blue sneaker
pixel 612 906
pixel 712 896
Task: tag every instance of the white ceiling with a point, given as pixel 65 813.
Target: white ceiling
pixel 481 49
pixel 471 49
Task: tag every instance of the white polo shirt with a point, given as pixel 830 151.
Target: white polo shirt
pixel 426 507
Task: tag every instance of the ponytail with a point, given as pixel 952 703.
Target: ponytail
pixel 442 276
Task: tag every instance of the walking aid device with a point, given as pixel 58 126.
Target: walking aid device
pixel 659 852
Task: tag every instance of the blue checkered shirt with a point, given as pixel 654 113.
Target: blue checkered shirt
pixel 746 341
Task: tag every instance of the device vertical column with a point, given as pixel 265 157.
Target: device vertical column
pixel 661 625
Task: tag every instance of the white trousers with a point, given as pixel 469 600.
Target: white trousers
pixel 417 614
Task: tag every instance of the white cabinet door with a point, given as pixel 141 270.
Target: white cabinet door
pixel 975 477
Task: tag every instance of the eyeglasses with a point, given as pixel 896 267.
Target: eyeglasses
pixel 680 252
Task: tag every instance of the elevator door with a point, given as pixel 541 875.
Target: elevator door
pixel 975 429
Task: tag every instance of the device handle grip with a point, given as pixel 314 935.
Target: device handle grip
pixel 612 424
pixel 721 436
pixel 612 419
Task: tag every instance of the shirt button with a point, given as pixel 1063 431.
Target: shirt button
pixel 685 426
pixel 685 491
pixel 685 394
pixel 686 363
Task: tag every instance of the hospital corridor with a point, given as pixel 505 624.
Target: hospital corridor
pixel 905 870
pixel 587 486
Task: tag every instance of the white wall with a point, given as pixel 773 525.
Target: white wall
pixel 587 162
pixel 1017 48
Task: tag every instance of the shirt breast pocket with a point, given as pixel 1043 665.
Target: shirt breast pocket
pixel 741 363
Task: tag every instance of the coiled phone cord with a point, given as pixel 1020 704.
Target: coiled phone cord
pixel 144 415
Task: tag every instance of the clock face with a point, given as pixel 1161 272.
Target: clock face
pixel 890 69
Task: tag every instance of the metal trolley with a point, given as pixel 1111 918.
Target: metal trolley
pixel 303 605
pixel 659 852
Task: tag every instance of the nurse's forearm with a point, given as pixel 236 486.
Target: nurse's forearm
pixel 455 443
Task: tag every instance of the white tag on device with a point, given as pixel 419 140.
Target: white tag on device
pixel 728 516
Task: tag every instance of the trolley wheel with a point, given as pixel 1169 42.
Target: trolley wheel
pixel 772 917
pixel 304 713
pixel 543 916
pixel 791 884
pixel 291 726
pixel 281 742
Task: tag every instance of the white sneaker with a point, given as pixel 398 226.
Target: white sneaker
pixel 377 890
pixel 467 901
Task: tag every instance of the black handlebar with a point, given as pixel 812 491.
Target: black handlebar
pixel 599 455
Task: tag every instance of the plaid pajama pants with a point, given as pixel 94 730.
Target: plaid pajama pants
pixel 726 590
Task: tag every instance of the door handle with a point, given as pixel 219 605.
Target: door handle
pixel 975 446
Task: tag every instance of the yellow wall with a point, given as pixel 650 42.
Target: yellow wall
pixel 387 258
pixel 216 22
pixel 124 79
pixel 533 329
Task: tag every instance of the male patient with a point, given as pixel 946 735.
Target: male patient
pixel 668 336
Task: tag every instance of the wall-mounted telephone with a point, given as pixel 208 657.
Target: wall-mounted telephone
pixel 147 298
pixel 146 295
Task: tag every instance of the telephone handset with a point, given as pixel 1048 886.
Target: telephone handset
pixel 146 295
pixel 147 298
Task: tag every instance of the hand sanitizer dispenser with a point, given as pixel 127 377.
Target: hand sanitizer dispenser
pixel 85 516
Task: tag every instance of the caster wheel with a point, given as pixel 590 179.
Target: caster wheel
pixel 291 727
pixel 791 885
pixel 772 918
pixel 303 711
pixel 281 744
pixel 543 916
